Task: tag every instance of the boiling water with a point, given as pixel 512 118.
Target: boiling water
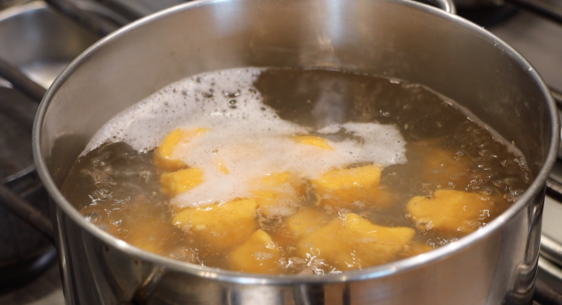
pixel 424 141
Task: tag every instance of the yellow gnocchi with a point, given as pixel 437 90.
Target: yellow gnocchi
pixel 258 254
pixel 219 226
pixel 352 188
pixel 164 154
pixel 352 242
pixel 175 183
pixel 451 211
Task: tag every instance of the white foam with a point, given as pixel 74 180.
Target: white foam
pixel 250 140
pixel 145 124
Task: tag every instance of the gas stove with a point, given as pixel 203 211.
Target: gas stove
pixel 41 42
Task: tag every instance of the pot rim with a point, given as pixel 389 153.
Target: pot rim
pixel 536 187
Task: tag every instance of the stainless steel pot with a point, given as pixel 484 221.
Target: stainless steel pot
pixel 394 38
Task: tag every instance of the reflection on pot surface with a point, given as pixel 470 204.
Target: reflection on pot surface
pixel 294 171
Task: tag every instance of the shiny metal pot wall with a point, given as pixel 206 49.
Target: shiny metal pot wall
pixel 393 38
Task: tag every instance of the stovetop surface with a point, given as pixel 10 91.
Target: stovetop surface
pixel 539 40
pixel 45 290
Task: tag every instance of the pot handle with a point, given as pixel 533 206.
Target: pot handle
pixel 446 5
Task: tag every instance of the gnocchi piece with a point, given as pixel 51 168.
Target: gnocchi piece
pixel 299 225
pixel 136 221
pixel 314 141
pixel 164 158
pixel 351 188
pixel 352 242
pixel 451 211
pixel 220 226
pixel 175 183
pixel 278 193
pixel 229 155
pixel 258 254
pixel 306 222
pixel 150 236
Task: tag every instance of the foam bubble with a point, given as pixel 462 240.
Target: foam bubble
pixel 246 136
pixel 145 124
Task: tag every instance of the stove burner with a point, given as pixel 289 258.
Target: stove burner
pixel 16 120
pixel 16 275
pixel 23 248
pixel 25 253
pixel 488 16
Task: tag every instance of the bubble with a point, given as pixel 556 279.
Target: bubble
pixel 117 223
pixel 231 94
pixel 93 216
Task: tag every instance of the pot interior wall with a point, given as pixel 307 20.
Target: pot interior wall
pixel 384 38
